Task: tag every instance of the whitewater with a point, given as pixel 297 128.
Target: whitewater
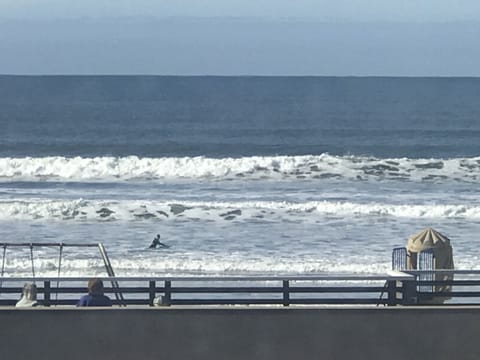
pixel 254 167
pixel 234 216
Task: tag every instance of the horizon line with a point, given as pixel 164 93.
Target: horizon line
pixel 239 75
pixel 325 20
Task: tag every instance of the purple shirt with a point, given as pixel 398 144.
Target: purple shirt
pixel 94 300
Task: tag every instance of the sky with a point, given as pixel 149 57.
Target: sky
pixel 360 10
pixel 241 37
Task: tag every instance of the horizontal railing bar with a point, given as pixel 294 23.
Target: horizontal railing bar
pixel 443 293
pixel 4 290
pixel 52 302
pixel 318 301
pixel 327 301
pixel 460 282
pixel 174 290
pixel 219 290
pixel 8 302
pixel 455 304
pixel 449 282
pixel 324 277
pixel 27 244
pixel 131 302
pixel 278 301
pixel 66 290
pixel 444 271
pixel 62 302
pixel 190 302
pixel 455 294
pixel 291 290
pixel 335 289
pixel 327 277
pixel 73 302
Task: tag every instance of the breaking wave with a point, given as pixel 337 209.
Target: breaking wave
pixel 256 167
pixel 191 265
pixel 47 266
pixel 134 210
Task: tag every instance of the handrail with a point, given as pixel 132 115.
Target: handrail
pixel 391 289
pixel 326 277
pixel 444 271
pixel 37 244
pixel 232 290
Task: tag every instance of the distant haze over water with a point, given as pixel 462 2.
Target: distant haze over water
pixel 242 45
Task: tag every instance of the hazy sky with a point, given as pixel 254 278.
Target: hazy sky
pixel 248 37
pixel 363 10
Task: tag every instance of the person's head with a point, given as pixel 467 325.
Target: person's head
pixel 29 292
pixel 95 287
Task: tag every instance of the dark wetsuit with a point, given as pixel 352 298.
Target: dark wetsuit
pixel 156 244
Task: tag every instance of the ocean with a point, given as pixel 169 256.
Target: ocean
pixel 239 175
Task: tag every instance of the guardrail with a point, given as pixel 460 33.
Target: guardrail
pixel 393 288
pixel 253 290
pixel 460 287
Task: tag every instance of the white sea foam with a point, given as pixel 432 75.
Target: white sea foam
pixel 128 210
pixel 153 266
pixel 47 266
pixel 287 167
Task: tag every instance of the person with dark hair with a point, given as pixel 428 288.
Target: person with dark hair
pixel 95 296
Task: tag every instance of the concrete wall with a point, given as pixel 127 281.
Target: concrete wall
pixel 241 333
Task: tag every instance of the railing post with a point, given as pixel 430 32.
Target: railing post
pixel 286 293
pixel 46 293
pixel 151 292
pixel 409 290
pixel 168 294
pixel 392 292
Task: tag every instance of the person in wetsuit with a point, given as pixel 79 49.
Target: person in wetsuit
pixel 156 244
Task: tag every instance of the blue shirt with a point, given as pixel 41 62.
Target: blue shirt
pixel 94 300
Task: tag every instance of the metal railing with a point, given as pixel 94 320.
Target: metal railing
pixel 253 290
pixel 449 287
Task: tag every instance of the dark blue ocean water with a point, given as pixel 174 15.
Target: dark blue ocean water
pixel 158 116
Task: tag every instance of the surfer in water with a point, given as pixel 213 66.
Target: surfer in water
pixel 156 244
